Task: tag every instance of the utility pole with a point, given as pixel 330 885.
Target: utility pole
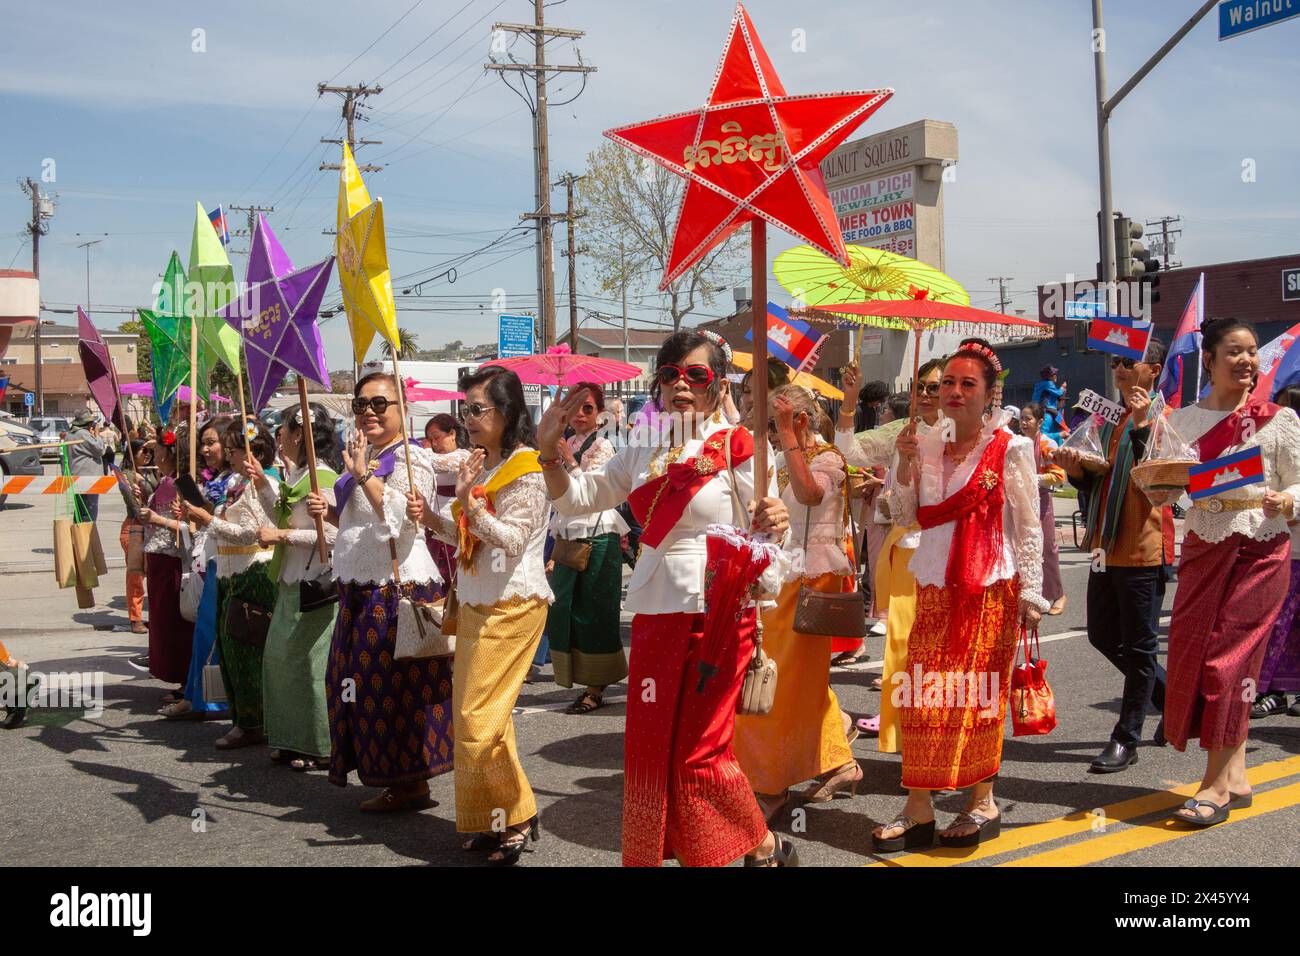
pixel 252 212
pixel 1164 222
pixel 352 97
pixel 86 246
pixel 1003 301
pixel 541 148
pixel 42 209
pixel 1105 106
pixel 568 179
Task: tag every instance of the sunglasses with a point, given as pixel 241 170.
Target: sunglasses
pixel 378 403
pixel 696 376
pixel 927 388
pixel 1126 362
pixel 588 409
pixel 475 410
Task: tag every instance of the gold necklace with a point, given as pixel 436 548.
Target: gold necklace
pixel 957 460
pixel 660 462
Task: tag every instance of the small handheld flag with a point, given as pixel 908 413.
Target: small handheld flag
pixel 1224 474
pixel 793 341
pixel 1119 335
pixel 1185 346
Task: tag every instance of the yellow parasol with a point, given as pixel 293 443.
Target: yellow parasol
pixel 872 275
pixel 745 362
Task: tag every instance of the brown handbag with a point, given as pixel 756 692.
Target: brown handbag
pixel 819 614
pixel 247 623
pixel 572 552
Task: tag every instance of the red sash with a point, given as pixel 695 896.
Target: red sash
pixel 1228 432
pixel 659 503
pixel 977 509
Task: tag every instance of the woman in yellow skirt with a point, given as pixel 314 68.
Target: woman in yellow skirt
pixel 803 735
pixel 501 511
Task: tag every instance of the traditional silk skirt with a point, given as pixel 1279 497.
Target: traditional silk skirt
pixel 803 734
pixel 583 624
pixel 1281 669
pixel 171 637
pixel 389 721
pixel 952 696
pixel 684 794
pixel 293 675
pixel 896 591
pixel 1228 595
pixel 241 664
pixel 203 649
pixel 1053 590
pixel 494 648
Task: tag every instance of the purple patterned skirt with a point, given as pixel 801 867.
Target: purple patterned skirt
pixel 1281 669
pixel 389 721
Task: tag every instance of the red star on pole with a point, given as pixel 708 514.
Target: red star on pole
pixel 751 152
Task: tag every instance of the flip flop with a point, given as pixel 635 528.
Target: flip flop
pixel 868 725
pixel 1220 813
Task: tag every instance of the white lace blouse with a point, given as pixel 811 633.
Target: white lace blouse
pixel 158 539
pixel 361 552
pixel 1279 444
pixel 826 529
pixel 235 526
pixel 585 526
pixel 1022 531
pixel 301 556
pixel 668 579
pixel 512 544
pixel 889 494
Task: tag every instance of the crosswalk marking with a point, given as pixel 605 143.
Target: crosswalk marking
pixel 1019 838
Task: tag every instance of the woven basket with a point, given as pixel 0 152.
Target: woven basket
pixel 1161 475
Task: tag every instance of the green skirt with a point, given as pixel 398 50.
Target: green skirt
pixel 293 675
pixel 583 623
pixel 241 664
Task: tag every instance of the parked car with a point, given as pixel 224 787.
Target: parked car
pixel 15 457
pixel 49 428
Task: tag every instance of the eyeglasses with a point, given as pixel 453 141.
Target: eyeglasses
pixel 378 403
pixel 1116 362
pixel 475 410
pixel 697 376
pixel 927 388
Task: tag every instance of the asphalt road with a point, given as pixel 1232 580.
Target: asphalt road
pixel 126 787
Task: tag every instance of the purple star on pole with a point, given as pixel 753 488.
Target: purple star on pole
pixel 101 376
pixel 276 315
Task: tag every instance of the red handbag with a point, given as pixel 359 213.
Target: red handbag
pixel 1033 706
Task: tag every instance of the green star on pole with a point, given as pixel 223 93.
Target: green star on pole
pixel 168 327
pixel 211 282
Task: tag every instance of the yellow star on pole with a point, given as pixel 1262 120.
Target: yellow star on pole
pixel 363 262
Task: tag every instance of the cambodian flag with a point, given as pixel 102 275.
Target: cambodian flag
pixel 1223 474
pixel 1279 364
pixel 792 341
pixel 1119 335
pixel 4 384
pixel 1187 341
pixel 218 218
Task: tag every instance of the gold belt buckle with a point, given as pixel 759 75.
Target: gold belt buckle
pixel 1214 506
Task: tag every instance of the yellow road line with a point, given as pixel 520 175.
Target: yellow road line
pixel 1019 838
pixel 1151 834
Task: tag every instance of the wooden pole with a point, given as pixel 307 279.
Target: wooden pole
pixel 194 391
pixel 916 368
pixel 758 380
pixel 401 407
pixel 310 442
pixel 243 408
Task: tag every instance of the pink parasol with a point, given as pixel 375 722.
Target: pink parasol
pixel 559 366
pixel 182 394
pixel 734 560
pixel 415 392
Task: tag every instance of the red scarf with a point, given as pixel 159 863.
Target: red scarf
pixel 659 503
pixel 977 509
pixel 1228 431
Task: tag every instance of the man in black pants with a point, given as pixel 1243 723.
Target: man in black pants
pixel 1132 549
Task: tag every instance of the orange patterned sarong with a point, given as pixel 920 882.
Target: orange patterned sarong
pixel 952 695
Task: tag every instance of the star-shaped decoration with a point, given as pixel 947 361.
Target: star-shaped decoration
pixel 168 326
pixel 276 314
pixel 751 152
pixel 211 284
pixel 363 262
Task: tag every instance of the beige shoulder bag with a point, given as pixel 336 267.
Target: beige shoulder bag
pixel 758 691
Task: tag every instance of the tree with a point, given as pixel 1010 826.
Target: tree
pixel 143 348
pixel 631 209
pixel 409 347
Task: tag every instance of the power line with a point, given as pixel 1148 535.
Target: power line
pixel 376 40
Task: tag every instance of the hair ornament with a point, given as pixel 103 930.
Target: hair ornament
pixel 983 351
pixel 720 342
pixel 169 438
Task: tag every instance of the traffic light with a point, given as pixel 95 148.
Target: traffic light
pixel 1151 281
pixel 1131 257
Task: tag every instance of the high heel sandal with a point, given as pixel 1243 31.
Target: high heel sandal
pixel 915 835
pixel 770 804
pixel 511 850
pixel 986 828
pixel 783 854
pixel 845 777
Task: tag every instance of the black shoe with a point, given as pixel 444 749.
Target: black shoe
pixel 1159 738
pixel 1114 758
pixel 140 663
pixel 1294 711
pixel 1267 705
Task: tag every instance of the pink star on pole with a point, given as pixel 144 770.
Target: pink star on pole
pixel 751 152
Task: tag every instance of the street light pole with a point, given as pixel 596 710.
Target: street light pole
pixel 86 246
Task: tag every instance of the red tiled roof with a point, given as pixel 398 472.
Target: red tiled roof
pixel 55 379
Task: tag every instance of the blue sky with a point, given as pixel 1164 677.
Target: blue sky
pixel 139 126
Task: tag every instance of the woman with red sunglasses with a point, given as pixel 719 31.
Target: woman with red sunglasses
pixel 685 795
